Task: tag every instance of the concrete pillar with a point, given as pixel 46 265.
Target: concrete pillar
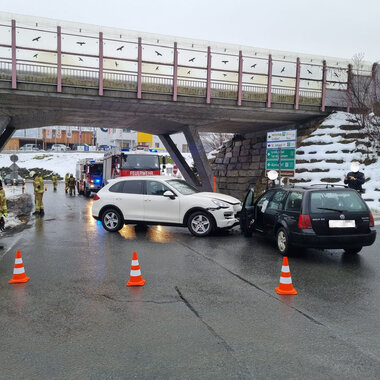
pixel 6 131
pixel 181 163
pixel 199 156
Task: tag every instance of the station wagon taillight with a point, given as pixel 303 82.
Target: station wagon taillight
pixel 96 197
pixel 304 221
pixel 371 220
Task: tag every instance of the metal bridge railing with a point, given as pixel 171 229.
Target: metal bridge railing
pixel 283 95
pixel 120 81
pixel 224 90
pixel 254 93
pixel 6 71
pixel 187 87
pixel 31 73
pixel 36 51
pixel 156 84
pixel 80 78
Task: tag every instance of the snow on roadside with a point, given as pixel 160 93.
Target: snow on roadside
pixel 328 151
pixel 57 162
pixel 11 220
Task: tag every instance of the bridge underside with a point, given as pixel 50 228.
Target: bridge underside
pixel 34 109
pixel 29 107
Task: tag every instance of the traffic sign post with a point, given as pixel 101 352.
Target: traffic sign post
pixel 281 152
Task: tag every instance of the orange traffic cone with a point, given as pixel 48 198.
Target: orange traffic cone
pixel 286 286
pixel 135 278
pixel 19 271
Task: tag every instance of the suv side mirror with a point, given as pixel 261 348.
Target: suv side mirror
pixel 169 194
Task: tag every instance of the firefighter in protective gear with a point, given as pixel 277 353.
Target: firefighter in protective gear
pixel 3 208
pixel 38 183
pixel 67 176
pixel 54 179
pixel 72 184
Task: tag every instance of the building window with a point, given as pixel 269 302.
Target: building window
pixel 157 145
pixel 126 130
pixel 185 148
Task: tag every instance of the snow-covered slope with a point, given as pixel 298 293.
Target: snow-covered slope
pixel 326 156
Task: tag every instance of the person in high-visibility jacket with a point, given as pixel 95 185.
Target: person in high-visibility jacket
pixel 67 176
pixel 3 208
pixel 54 179
pixel 72 182
pixel 38 183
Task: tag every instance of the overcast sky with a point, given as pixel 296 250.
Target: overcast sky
pixel 338 28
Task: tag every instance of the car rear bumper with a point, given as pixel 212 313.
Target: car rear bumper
pixel 311 240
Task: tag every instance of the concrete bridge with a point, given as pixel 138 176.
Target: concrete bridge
pixel 61 73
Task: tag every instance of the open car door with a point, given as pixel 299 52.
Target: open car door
pixel 247 213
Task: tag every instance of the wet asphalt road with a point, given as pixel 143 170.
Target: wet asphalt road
pixel 208 308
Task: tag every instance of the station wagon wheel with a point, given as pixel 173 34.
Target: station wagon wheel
pixel 200 224
pixel 282 240
pixel 112 220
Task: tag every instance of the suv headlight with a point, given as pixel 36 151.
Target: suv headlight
pixel 220 203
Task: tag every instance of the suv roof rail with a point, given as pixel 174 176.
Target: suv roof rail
pixel 327 185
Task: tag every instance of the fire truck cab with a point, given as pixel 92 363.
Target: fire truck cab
pixel 123 162
pixel 89 176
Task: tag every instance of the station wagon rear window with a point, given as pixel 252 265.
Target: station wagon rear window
pixel 336 201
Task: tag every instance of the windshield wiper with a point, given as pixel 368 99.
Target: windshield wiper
pixel 330 209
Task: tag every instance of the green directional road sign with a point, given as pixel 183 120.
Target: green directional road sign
pixel 285 164
pixel 286 154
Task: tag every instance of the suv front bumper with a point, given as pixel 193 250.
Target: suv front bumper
pixel 224 217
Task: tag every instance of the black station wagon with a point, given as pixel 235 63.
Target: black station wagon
pixel 326 217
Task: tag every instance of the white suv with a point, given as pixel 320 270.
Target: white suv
pixel 163 200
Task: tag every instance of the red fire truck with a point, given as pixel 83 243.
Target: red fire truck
pixel 124 162
pixel 89 175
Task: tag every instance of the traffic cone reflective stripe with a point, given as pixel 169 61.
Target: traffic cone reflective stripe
pixel 18 271
pixel 135 276
pixel 286 285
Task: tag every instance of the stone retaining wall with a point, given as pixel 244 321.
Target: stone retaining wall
pixel 240 163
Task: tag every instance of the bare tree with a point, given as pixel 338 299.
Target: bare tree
pixel 362 98
pixel 213 141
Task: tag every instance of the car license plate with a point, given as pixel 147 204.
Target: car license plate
pixel 342 223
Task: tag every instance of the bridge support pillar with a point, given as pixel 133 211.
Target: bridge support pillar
pixel 199 157
pixel 177 157
pixel 6 131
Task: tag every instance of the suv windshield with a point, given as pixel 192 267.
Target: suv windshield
pixel 183 187
pixel 336 201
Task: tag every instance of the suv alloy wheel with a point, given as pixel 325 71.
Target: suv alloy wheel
pixel 200 224
pixel 112 220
